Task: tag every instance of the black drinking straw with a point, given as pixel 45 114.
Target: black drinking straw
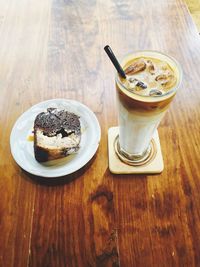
pixel 114 61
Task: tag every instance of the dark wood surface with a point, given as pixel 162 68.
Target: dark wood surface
pixel 54 49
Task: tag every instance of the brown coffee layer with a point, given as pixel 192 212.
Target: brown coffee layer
pixel 150 108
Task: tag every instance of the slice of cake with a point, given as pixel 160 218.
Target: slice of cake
pixel 57 133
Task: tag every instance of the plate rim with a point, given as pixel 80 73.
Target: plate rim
pixel 84 161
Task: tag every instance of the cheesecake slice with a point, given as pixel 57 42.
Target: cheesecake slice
pixel 57 134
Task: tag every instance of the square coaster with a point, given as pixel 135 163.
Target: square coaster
pixel 118 167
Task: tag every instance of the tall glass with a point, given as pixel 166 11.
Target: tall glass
pixel 140 115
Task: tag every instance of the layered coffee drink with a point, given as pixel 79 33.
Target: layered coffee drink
pixel 151 82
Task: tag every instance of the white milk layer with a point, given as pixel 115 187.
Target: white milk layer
pixel 135 131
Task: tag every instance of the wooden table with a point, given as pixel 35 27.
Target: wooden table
pixel 54 49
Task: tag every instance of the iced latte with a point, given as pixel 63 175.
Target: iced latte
pixel 152 80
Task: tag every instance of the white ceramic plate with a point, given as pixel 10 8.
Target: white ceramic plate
pixel 22 149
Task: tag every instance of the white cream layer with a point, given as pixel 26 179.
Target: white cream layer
pixel 57 142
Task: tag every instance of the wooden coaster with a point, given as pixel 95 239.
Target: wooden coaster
pixel 119 167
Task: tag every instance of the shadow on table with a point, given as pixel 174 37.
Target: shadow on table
pixel 56 181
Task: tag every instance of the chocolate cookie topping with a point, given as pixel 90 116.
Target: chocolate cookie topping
pixel 56 121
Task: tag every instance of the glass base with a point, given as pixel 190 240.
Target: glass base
pixel 135 160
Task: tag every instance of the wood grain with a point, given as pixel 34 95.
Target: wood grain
pixel 54 49
pixel 194 8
